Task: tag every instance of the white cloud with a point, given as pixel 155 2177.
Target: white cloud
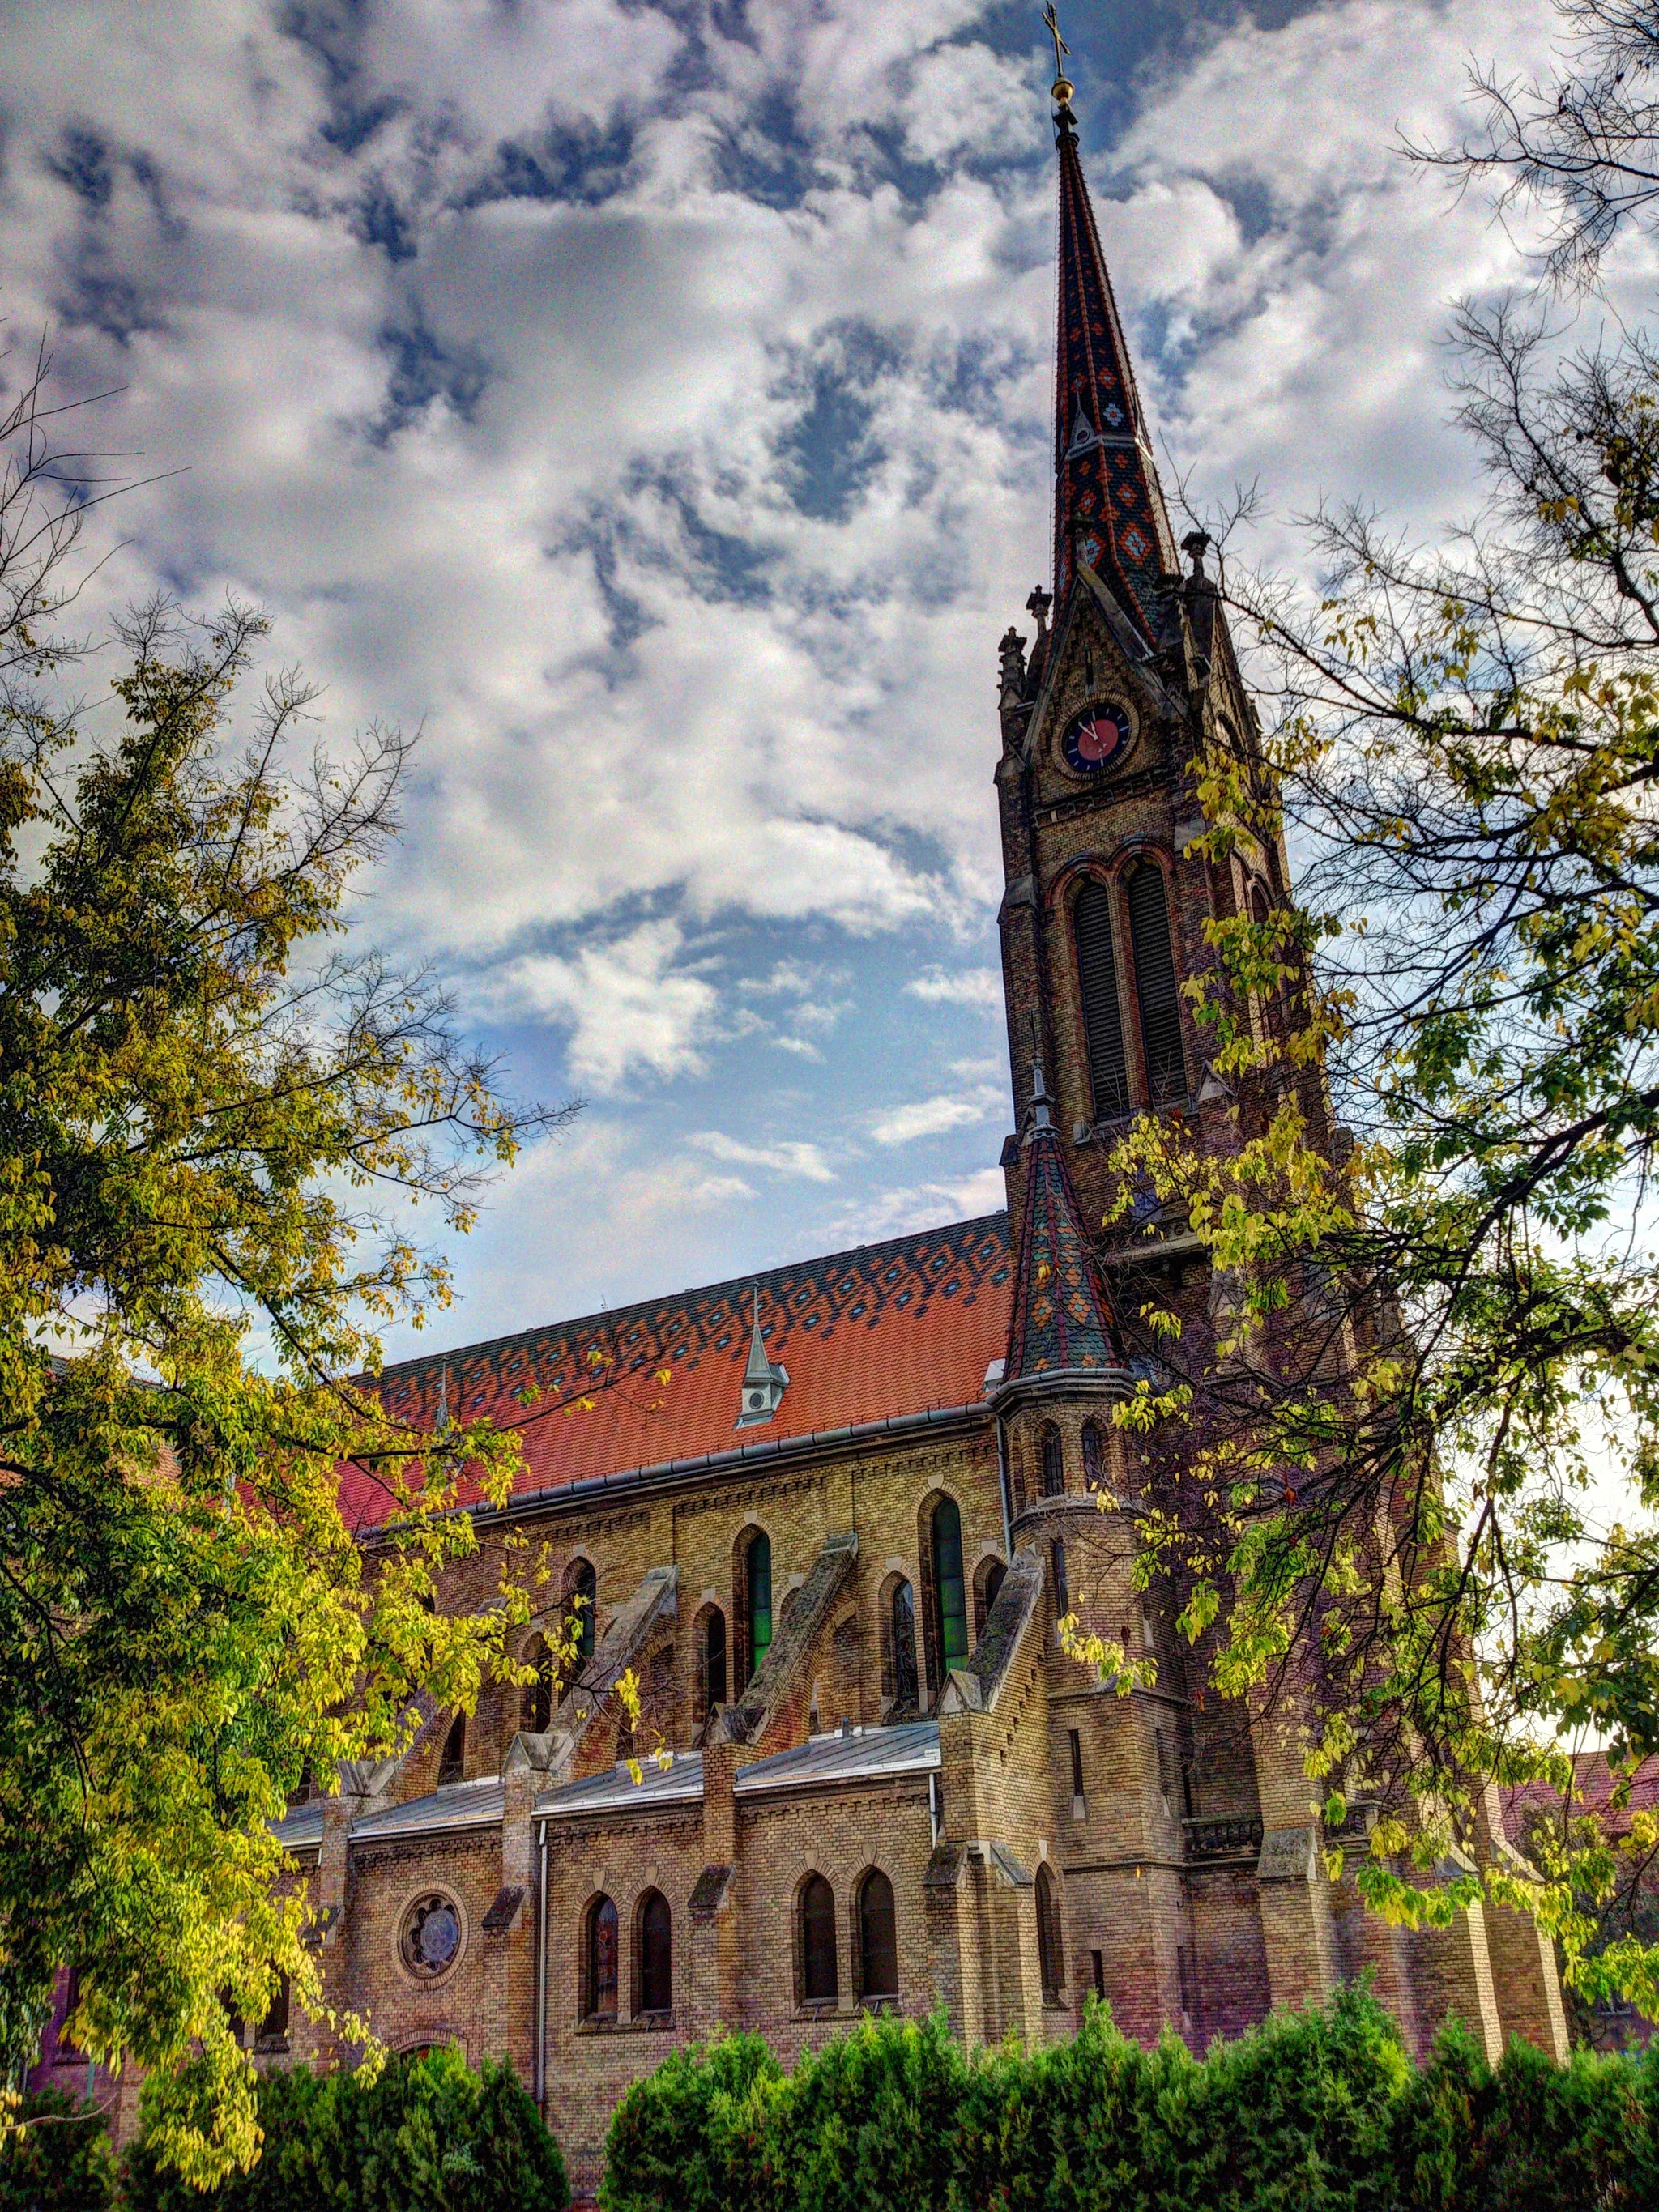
pixel 961 987
pixel 927 1117
pixel 628 1008
pixel 923 1206
pixel 678 473
pixel 791 1157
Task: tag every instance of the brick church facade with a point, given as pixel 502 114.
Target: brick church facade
pixel 835 1548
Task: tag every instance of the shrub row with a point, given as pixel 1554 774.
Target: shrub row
pixel 1322 2112
pixel 426 2135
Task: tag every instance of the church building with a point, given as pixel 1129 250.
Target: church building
pixel 836 1548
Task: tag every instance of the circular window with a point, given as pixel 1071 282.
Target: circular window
pixel 431 1941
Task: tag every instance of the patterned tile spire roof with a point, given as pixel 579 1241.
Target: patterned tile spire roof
pixel 1109 505
pixel 1061 1316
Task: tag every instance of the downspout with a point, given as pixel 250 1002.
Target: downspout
pixel 541 1973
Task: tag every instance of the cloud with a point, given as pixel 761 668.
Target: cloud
pixel 627 1008
pixel 791 1157
pixel 964 986
pixel 928 1117
pixel 652 405
pixel 897 1213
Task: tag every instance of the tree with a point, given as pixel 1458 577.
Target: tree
pixel 1582 144
pixel 218 1116
pixel 1438 1345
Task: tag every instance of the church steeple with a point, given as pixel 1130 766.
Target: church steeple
pixel 1108 507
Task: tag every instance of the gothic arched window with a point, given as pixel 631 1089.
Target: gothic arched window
pixel 600 1961
pixel 1094 1457
pixel 1155 985
pixel 711 1660
pixel 903 1628
pixel 656 1953
pixel 819 1981
pixel 273 2028
pixel 451 1763
pixel 1053 1461
pixel 757 1594
pixel 950 1593
pixel 1103 1018
pixel 581 1591
pixel 1050 1946
pixel 878 1938
pixel 538 1695
pixel 987 1580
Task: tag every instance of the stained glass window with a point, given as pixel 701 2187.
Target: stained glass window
pixel 601 1961
pixel 905 1645
pixel 950 1595
pixel 758 1576
pixel 656 1955
pixel 431 1939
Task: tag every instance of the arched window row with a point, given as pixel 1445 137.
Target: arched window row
pixel 875 1943
pixel 1135 910
pixel 651 1988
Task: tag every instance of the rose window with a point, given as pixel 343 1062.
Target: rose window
pixel 431 1940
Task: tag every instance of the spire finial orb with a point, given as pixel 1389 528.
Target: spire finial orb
pixel 1062 86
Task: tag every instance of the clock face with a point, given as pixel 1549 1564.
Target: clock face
pixel 1095 739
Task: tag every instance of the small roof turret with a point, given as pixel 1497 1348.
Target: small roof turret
pixel 763 1381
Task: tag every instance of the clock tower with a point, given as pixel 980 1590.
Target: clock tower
pixel 1130 672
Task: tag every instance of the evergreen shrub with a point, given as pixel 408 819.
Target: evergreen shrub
pixel 58 2160
pixel 424 2133
pixel 1313 2111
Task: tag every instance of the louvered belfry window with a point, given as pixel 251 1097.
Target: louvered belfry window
pixel 1156 986
pixel 1102 1019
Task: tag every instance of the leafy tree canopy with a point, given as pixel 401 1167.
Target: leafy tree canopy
pixel 222 1123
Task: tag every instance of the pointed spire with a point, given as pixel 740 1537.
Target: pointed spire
pixel 1062 1317
pixel 764 1384
pixel 1109 507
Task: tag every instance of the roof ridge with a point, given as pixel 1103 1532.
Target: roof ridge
pixel 613 1317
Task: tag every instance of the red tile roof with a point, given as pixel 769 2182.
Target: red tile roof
pixel 871 1335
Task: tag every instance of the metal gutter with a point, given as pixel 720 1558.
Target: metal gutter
pixel 815 1443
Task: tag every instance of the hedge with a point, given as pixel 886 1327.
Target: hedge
pixel 1318 2111
pixel 58 2160
pixel 425 2133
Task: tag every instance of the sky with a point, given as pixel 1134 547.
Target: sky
pixel 650 403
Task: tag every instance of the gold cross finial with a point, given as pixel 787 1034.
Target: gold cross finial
pixel 1062 89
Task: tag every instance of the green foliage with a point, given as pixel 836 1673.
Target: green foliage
pixel 1313 2112
pixel 684 2135
pixel 55 2156
pixel 862 2123
pixel 420 2135
pixel 1060 2130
